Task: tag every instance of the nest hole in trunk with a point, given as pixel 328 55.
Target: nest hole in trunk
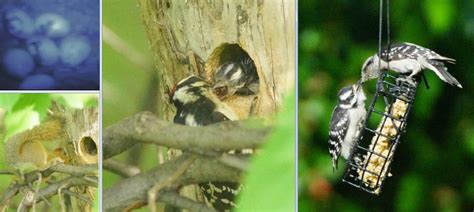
pixel 244 104
pixel 88 149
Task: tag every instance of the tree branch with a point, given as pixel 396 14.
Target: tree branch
pixel 53 188
pixel 6 172
pixel 174 199
pixel 134 189
pixel 80 175
pixel 78 196
pixel 125 49
pixel 120 168
pixel 90 169
pixel 147 128
pixel 74 170
pixel 11 192
pixel 168 181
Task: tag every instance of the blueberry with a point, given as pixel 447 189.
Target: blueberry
pixel 45 51
pixel 74 50
pixel 18 23
pixel 38 81
pixel 18 62
pixel 52 25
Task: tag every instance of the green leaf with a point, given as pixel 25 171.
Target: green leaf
pixel 7 101
pixel 440 14
pixel 20 120
pixel 40 103
pixel 310 40
pixel 76 100
pixel 469 188
pixel 410 194
pixel 274 168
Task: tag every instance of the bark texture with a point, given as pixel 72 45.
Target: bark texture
pixel 216 30
pixel 195 37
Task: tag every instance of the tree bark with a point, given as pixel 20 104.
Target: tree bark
pixel 265 30
pixel 195 37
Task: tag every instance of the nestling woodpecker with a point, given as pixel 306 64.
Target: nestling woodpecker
pixel 408 58
pixel 347 122
pixel 239 78
pixel 197 106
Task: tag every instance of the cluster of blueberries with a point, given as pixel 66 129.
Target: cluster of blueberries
pixel 46 50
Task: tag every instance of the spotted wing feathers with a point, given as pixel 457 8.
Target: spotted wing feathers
pixel 337 131
pixel 221 195
pixel 408 50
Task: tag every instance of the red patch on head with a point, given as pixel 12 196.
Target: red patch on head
pixel 170 93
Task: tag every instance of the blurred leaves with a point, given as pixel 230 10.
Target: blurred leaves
pixel 410 194
pixel 273 168
pixel 124 95
pixel 24 111
pixel 39 102
pixel 432 168
pixel 20 120
pixel 440 14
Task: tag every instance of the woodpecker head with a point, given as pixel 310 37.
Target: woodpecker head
pixel 351 96
pixel 228 79
pixel 371 68
pixel 196 105
pixel 188 90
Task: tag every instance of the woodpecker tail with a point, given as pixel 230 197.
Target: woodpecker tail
pixel 221 195
pixel 438 67
pixel 446 59
pixel 443 74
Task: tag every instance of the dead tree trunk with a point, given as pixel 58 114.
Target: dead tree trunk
pixel 213 31
pixel 195 37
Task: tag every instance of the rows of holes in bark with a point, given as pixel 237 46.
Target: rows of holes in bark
pixel 243 106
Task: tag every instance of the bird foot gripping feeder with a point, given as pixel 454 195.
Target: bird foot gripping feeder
pixel 370 161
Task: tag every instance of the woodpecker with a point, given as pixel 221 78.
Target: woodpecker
pixel 239 78
pixel 408 58
pixel 347 122
pixel 198 106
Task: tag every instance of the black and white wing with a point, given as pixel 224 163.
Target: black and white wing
pixel 337 131
pixel 399 51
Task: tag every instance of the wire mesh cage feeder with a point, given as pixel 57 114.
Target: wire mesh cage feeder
pixel 371 158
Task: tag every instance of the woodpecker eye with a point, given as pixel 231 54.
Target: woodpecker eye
pixel 367 64
pixel 220 91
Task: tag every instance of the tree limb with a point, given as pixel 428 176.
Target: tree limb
pixel 120 168
pixel 6 172
pixel 174 199
pixel 75 170
pixel 78 196
pixel 168 181
pixel 234 161
pixel 11 192
pixel 147 128
pixel 53 189
pixel 134 189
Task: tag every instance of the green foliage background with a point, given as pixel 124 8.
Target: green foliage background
pixel 125 84
pixel 24 111
pixel 127 89
pixel 433 166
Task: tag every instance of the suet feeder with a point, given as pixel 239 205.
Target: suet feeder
pixel 371 159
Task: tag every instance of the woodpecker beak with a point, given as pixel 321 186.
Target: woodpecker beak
pixel 358 85
pixel 171 93
pixel 220 91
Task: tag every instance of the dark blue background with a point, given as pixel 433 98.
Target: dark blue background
pixel 84 20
